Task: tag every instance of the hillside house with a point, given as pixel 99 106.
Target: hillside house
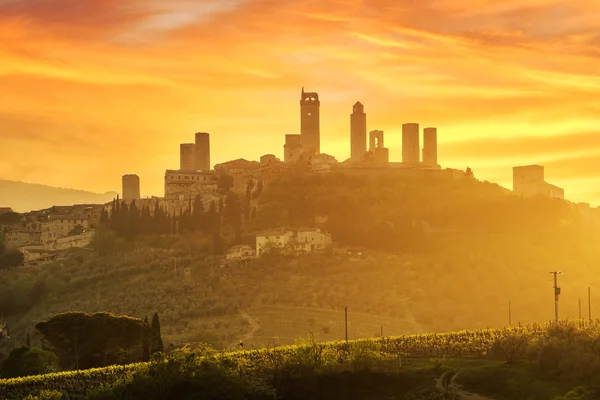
pixel 56 227
pixel 240 252
pixel 303 241
pixel 315 238
pixel 20 236
pixel 278 238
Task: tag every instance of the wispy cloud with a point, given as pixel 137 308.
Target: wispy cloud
pixel 505 82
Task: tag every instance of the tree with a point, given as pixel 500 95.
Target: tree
pixel 225 183
pixel 25 361
pixel 155 339
pixel 82 340
pixel 11 258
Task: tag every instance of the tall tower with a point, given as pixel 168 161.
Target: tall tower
pixel 131 187
pixel 202 151
pixel 358 132
pixel 187 156
pixel 309 122
pixel 430 146
pixel 410 143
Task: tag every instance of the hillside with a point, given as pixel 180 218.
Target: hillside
pixel 25 197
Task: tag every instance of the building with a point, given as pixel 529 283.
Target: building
pixel 187 157
pixel 4 210
pixel 310 130
pixel 60 226
pixel 202 152
pixel 379 153
pixel 410 143
pixel 358 132
pixel 21 236
pixel 131 187
pixel 240 252
pixel 322 162
pixel 277 238
pixel 292 149
pixel 190 182
pixel 430 147
pixel 529 180
pixel 268 159
pixel 315 238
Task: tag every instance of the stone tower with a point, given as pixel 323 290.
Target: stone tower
pixel 358 132
pixel 430 146
pixel 410 143
pixel 309 122
pixel 131 187
pixel 187 156
pixel 202 151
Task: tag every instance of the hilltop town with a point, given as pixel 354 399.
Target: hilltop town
pixel 41 235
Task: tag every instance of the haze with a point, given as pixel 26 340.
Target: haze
pixel 103 88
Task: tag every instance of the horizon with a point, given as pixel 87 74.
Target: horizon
pixel 478 78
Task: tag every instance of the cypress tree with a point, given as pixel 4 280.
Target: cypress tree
pixel 156 343
pixel 28 339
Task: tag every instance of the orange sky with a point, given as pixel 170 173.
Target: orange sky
pixel 91 90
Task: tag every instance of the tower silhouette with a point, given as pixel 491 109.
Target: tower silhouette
pixel 310 131
pixel 358 132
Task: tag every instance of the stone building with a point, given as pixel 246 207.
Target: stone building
pixel 379 154
pixel 190 182
pixel 276 238
pixel 240 252
pixel 131 187
pixel 292 149
pixel 60 226
pixel 529 180
pixel 318 240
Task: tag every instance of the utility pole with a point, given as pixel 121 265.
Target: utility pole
pixel 556 294
pixel 509 314
pixel 346 322
pixel 589 303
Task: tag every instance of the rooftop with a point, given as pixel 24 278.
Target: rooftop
pixel 4 210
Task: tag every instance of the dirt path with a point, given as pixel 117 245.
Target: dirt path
pixel 254 327
pixel 453 388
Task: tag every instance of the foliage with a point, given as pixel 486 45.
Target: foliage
pixel 390 212
pixel 46 395
pixel 81 340
pixel 25 361
pixel 11 258
pixel 305 359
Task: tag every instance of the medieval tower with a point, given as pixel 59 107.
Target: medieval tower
pixel 310 131
pixel 358 132
pixel 202 151
pixel 430 147
pixel 410 143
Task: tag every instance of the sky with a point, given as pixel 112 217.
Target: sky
pixel 92 90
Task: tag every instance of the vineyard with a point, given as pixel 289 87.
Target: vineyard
pixel 383 352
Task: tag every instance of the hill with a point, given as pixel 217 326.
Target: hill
pixel 25 197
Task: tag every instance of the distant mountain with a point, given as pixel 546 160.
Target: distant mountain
pixel 24 197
